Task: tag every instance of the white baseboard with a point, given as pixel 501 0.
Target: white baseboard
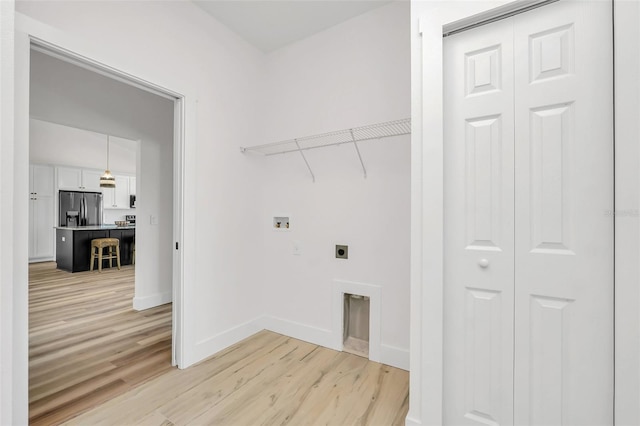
pixel 315 335
pixel 394 356
pixel 390 355
pixel 210 346
pixel 41 259
pixel 408 421
pixel 147 302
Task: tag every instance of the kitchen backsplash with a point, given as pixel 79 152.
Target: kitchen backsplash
pixel 110 216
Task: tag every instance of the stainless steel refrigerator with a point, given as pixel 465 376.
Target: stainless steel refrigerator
pixel 78 208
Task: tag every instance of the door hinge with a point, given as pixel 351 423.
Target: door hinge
pixel 176 245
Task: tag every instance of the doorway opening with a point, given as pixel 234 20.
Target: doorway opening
pixel 134 336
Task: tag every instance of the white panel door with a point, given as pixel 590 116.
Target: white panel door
pixel 528 243
pixel 43 232
pixel 41 212
pixel 32 232
pixel 564 237
pixel 479 205
pixel 42 180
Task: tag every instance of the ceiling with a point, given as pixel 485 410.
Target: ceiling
pixel 272 24
pixel 64 93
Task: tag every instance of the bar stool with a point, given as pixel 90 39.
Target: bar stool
pixel 97 250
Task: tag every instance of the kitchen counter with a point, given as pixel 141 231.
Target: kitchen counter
pixel 95 227
pixel 73 245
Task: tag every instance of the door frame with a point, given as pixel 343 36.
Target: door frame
pixel 430 20
pixel 63 54
pixel 28 32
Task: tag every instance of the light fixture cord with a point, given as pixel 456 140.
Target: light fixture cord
pixel 107 152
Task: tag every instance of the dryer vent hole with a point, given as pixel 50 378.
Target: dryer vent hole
pixel 356 324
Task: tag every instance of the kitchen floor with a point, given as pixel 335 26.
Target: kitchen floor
pixel 86 343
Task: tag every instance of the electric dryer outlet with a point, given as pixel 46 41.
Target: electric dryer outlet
pixel 342 251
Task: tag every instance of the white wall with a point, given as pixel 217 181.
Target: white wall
pixel 12 374
pixel 627 225
pixel 176 45
pixel 56 144
pixel 353 74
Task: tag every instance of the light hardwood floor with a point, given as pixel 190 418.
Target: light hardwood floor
pixel 86 343
pixel 265 379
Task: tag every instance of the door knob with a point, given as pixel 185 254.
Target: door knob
pixel 483 263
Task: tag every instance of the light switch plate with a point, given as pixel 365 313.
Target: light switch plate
pixel 297 249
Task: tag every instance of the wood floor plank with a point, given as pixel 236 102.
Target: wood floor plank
pixel 80 403
pixel 86 343
pixel 154 419
pixel 245 384
pixel 267 379
pixel 129 408
pixel 332 386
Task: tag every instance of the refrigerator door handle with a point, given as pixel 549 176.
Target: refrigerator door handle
pixel 83 211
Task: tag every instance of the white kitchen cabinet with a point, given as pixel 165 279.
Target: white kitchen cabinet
pixel 71 178
pixel 76 179
pixel 41 212
pixel 91 180
pixel 132 185
pixel 118 197
pixel 41 179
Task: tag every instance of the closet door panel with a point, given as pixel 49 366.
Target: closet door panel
pixel 563 238
pixel 551 150
pixel 478 345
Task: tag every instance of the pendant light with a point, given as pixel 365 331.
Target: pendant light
pixel 107 180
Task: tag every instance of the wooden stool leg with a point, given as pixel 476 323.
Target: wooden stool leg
pixel 100 250
pixel 118 255
pixel 110 257
pixel 93 258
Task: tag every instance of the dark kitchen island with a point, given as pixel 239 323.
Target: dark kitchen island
pixel 73 245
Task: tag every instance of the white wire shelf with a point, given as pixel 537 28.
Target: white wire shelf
pixel 354 135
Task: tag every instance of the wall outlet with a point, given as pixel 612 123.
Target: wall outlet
pixel 281 222
pixel 342 252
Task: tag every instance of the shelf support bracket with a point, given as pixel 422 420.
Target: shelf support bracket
pixel 313 178
pixel 364 170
